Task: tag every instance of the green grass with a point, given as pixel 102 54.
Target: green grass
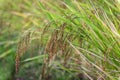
pixel 81 38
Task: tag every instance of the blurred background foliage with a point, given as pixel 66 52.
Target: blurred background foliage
pixel 15 18
pixel 92 26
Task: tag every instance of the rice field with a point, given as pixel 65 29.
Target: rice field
pixel 59 40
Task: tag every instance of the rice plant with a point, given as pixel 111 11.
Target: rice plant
pixel 67 39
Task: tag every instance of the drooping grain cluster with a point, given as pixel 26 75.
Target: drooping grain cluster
pixel 21 49
pixel 56 45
